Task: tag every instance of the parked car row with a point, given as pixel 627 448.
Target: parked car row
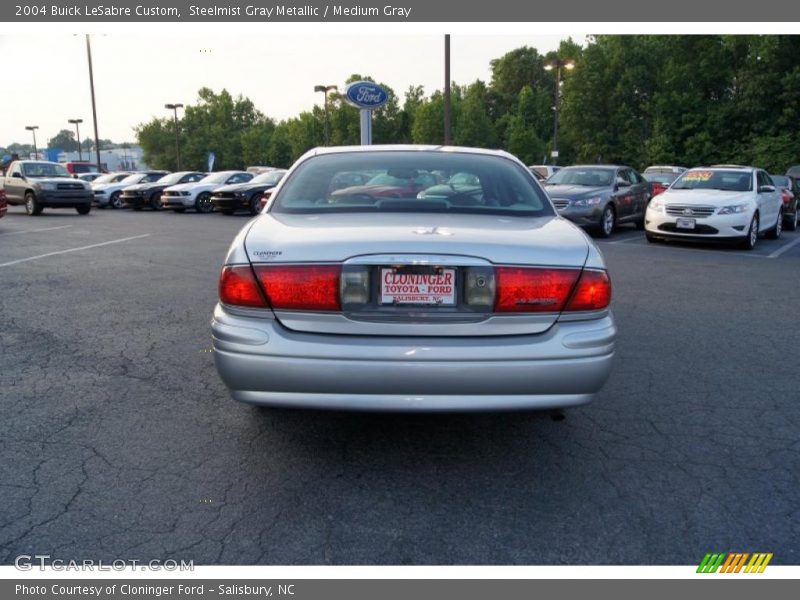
pixel 730 203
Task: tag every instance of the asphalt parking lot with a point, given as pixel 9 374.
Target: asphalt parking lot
pixel 120 442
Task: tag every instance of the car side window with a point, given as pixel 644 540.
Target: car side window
pixel 15 170
pixel 631 176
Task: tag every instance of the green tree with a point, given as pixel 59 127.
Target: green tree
pixel 65 140
pixel 473 127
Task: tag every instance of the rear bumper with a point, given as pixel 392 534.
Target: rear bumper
pixel 262 362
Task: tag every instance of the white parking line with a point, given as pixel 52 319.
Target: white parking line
pixel 780 251
pixel 627 239
pixel 35 230
pixel 22 260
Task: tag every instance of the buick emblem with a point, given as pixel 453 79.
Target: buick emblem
pixel 688 211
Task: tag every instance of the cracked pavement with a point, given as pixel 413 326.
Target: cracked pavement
pixel 119 440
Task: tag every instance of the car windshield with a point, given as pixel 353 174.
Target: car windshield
pixel 715 179
pixel 112 178
pixel 402 182
pixel 44 169
pixel 221 177
pixel 172 178
pixel 588 177
pixel 270 178
pixel 133 178
pixel 781 181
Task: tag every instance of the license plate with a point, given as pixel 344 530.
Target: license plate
pixel 399 287
pixel 685 223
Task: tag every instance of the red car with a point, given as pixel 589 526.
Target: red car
pixel 661 177
pixel 400 183
pixel 790 192
pixel 3 203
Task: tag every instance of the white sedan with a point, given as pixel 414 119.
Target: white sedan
pixel 197 194
pixel 727 203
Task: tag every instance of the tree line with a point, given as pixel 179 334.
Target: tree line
pixel 637 100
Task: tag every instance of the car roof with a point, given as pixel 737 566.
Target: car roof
pixel 743 167
pixel 670 168
pixel 598 167
pixel 408 148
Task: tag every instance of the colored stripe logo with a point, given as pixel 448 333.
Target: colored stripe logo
pixel 734 562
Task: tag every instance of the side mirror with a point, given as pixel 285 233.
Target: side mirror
pixel 765 189
pixel 623 184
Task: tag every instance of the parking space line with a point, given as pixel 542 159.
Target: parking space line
pixel 22 260
pixel 780 251
pixel 35 230
pixel 627 239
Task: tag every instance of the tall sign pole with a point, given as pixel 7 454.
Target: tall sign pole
pixel 447 138
pixel 366 96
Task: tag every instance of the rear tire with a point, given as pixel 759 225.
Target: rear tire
pixel 84 209
pixel 750 240
pixel 791 222
pixel 32 205
pixel 775 232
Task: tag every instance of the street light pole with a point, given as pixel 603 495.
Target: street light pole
pixel 557 64
pixel 94 105
pixel 325 89
pixel 447 136
pixel 32 129
pixel 174 108
pixel 77 123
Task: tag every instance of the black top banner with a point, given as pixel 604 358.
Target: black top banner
pixel 451 11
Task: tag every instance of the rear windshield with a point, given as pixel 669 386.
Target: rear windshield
pixel 715 179
pixel 660 177
pixel 412 181
pixel 583 176
pixel 83 168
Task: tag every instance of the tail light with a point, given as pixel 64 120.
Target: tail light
pixel 787 196
pixel 525 289
pixel 264 199
pixel 593 292
pixel 238 287
pixel 301 287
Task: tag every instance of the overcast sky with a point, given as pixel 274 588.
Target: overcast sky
pixel 136 75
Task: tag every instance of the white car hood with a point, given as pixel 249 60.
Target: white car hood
pixel 195 187
pixel 716 198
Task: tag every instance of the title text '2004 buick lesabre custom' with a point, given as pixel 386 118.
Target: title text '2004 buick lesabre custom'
pixel 467 299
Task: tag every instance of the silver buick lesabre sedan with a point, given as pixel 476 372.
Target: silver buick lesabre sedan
pixel 379 296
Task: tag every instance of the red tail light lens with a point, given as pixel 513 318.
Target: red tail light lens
pixel 787 197
pixel 592 293
pixel 525 289
pixel 301 287
pixel 238 287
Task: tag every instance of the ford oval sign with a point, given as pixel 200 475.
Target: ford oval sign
pixel 366 95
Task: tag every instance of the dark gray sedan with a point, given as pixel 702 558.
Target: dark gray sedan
pixel 600 197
